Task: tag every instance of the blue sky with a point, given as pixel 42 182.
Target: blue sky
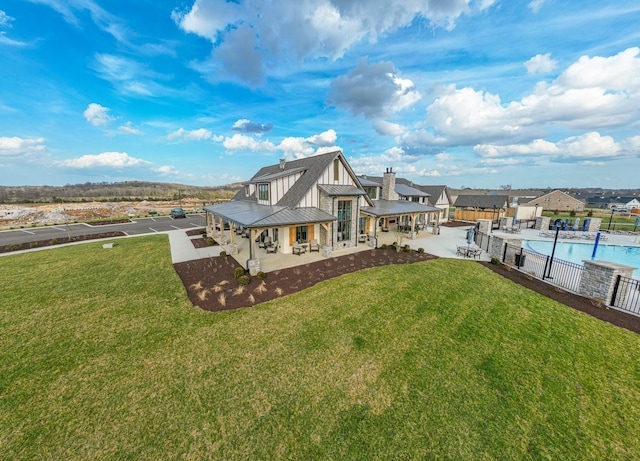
pixel 467 93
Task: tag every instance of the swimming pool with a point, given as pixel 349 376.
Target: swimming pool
pixel 577 252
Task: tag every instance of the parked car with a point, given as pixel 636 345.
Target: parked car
pixel 619 208
pixel 178 213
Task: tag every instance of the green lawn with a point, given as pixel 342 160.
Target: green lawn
pixel 103 357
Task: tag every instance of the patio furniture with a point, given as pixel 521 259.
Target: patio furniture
pixel 299 248
pixel 362 238
pixel 273 248
pixel 265 243
pixel 314 246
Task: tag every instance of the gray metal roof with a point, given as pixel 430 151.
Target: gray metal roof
pixel 408 191
pixel 397 207
pixel 243 212
pixel 287 217
pixel 278 174
pixel 333 189
pixel 366 181
pixel 482 201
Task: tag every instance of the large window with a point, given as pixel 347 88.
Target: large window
pixel 263 192
pixel 302 234
pixel 344 220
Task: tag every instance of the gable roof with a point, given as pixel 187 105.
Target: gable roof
pixel 537 199
pixel 482 201
pixel 435 192
pixel 397 207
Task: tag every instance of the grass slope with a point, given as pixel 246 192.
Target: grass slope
pixel 102 357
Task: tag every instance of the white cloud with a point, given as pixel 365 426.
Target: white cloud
pixel 588 146
pixel 17 147
pixel 201 134
pixel 540 64
pixel 535 5
pixel 298 147
pixel 97 115
pixel 387 128
pixel 258 32
pixel 5 20
pixel 373 90
pixel 241 142
pixel 247 126
pixel 129 129
pixel 105 160
pixel 592 93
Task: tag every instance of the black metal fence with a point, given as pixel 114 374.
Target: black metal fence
pixel 556 271
pixel 626 294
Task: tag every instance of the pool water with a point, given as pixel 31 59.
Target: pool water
pixel 578 252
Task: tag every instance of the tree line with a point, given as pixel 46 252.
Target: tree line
pixel 114 192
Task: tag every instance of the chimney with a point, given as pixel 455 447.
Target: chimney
pixel 282 163
pixel 389 185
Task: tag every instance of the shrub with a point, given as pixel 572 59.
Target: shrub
pixel 244 280
pixel 420 250
pixel 223 254
pixel 572 213
pixel 33 245
pixel 261 275
pixel 495 261
pixel 590 213
pixel 406 248
pixel 383 246
pixel 53 241
pixel 238 272
pixel 11 247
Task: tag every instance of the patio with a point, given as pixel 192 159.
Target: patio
pixel 273 261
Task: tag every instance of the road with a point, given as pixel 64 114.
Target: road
pixel 137 226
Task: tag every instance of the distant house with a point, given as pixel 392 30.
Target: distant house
pixel 435 196
pixel 557 200
pixel 317 198
pixel 474 207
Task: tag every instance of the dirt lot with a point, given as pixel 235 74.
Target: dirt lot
pixel 14 216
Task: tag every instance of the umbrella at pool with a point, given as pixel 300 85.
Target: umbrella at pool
pixel 575 224
pixel 470 234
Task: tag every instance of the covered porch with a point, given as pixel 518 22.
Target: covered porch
pixel 397 220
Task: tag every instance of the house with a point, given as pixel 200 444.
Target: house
pixel 435 196
pixel 557 200
pixel 474 207
pixel 315 198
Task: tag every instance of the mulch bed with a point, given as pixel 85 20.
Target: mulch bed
pixel 211 284
pixel 58 241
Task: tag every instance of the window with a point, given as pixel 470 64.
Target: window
pixel 302 234
pixel 263 192
pixel 344 220
pixel 336 170
pixel 372 192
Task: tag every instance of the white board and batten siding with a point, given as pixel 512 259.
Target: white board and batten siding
pixel 310 199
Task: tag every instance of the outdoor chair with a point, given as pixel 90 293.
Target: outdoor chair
pixel 266 243
pixel 314 246
pixel 273 248
pixel 362 238
pixel 299 248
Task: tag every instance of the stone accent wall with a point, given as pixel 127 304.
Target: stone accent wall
pixel 485 226
pixel 389 185
pixel 599 278
pixel 542 223
pixel 497 247
pixel 594 224
pixel 253 265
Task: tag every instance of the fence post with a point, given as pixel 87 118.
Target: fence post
pixel 615 291
pixel 599 278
